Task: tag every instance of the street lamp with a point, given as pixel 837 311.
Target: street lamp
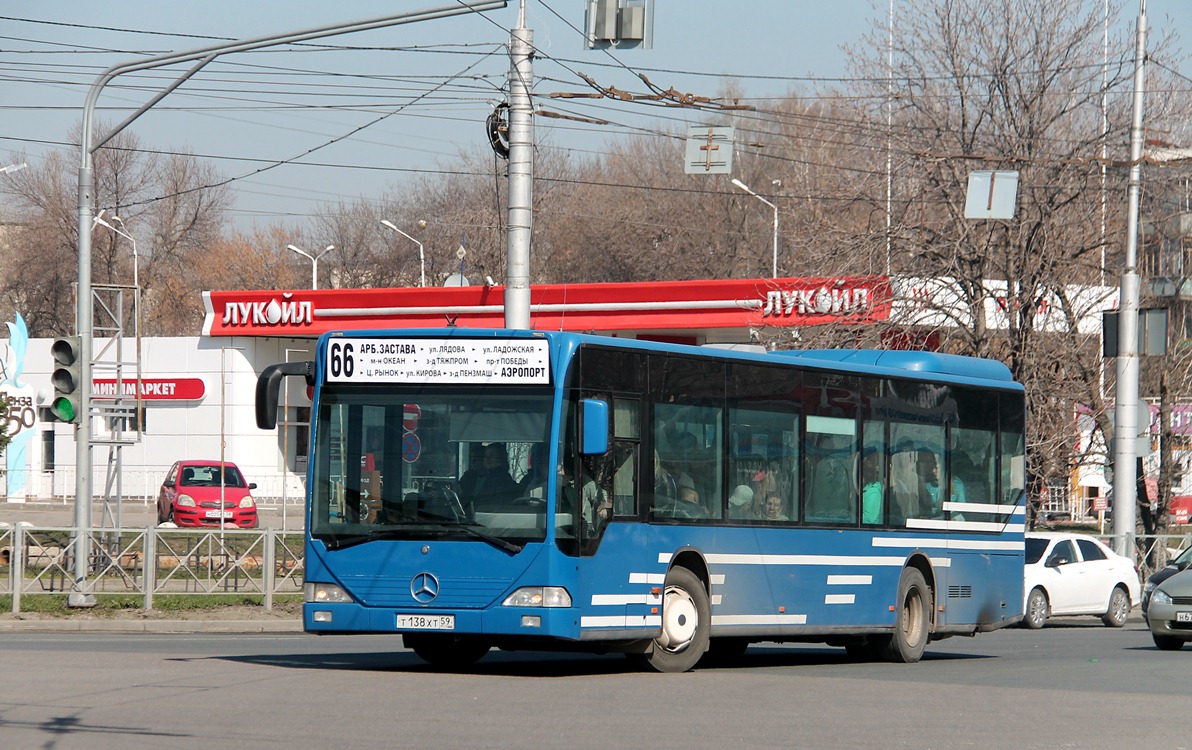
pixel 13 168
pixel 135 260
pixel 743 186
pixel 421 255
pixel 314 262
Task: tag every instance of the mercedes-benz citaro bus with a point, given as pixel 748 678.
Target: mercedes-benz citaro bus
pixel 475 489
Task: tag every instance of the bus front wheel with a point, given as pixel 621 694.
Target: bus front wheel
pixel 912 620
pixel 686 618
pixel 446 651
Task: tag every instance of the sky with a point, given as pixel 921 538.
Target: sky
pixel 360 115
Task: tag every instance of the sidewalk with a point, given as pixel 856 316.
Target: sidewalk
pixel 129 626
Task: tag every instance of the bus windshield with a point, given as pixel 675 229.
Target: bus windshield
pixel 414 462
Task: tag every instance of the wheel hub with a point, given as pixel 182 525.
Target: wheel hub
pixel 679 620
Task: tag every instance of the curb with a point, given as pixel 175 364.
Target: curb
pixel 151 626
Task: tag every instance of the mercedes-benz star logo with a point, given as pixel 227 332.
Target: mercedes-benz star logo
pixel 424 587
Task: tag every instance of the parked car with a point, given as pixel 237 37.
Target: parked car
pixel 1169 615
pixel 1182 561
pixel 1075 574
pixel 190 496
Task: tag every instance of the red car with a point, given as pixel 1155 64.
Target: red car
pixel 191 491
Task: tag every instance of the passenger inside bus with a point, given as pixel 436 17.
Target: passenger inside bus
pixel 740 503
pixel 772 508
pixel 689 505
pixel 930 499
pixel 489 484
pixel 533 484
pixel 872 490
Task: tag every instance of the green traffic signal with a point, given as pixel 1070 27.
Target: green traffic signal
pixel 66 378
pixel 64 409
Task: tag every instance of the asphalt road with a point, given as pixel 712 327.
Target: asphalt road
pixel 1067 686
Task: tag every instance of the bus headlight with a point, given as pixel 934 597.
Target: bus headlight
pixel 538 596
pixel 184 501
pixel 325 593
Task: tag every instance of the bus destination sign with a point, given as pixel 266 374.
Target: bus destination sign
pixel 508 361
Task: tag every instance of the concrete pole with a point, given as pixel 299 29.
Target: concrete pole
pixel 521 175
pixel 1125 451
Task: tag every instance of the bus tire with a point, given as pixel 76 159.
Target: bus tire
pixel 912 620
pixel 446 651
pixel 724 651
pixel 686 620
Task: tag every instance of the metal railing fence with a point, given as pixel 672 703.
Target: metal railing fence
pixel 152 563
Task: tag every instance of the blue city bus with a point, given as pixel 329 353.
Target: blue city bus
pixel 539 490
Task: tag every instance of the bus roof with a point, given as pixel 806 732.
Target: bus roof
pixel 897 363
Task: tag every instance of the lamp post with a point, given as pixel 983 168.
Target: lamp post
pixel 90 142
pixel 314 262
pixel 135 259
pixel 743 186
pixel 421 255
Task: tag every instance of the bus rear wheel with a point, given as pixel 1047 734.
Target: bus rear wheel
pixel 686 620
pixel 446 651
pixel 912 620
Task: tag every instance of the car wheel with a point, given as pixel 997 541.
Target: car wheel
pixel 1036 610
pixel 1167 642
pixel 1119 609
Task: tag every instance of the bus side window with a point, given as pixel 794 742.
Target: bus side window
pixel 873 475
pixel 626 454
pixel 625 479
pixel 831 453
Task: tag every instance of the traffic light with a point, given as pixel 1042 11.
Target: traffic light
pixel 67 379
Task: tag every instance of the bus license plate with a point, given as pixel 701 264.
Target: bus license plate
pixel 426 622
pixel 216 514
pixel 1183 616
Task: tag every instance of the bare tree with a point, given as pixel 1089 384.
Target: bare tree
pixel 160 199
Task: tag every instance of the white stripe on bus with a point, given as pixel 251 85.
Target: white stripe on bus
pixel 850 580
pixel 840 599
pixel 843 560
pixel 759 619
pixel 941 525
pixel 983 507
pixel 621 621
pixel 610 600
pixel 651 578
pixel 966 544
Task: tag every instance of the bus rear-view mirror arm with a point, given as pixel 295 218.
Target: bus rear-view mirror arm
pixel 269 385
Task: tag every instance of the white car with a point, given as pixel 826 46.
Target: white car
pixel 1075 574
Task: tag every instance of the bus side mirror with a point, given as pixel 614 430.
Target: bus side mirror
pixel 269 385
pixel 594 441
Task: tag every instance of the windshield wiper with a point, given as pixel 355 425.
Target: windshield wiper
pixel 397 532
pixel 496 541
pixel 343 542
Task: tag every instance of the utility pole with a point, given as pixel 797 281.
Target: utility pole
pixel 521 174
pixel 1125 449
